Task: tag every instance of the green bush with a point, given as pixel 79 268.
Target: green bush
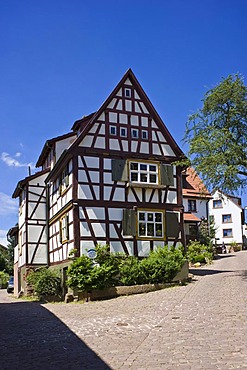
pixel 130 272
pixel 4 278
pixel 110 269
pixel 45 282
pixel 197 252
pixel 162 265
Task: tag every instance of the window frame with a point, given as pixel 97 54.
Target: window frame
pixel 137 133
pixel 190 208
pixel 127 92
pixel 227 221
pixel 146 133
pixel 227 236
pixel 141 172
pixel 64 180
pixel 149 222
pixel 125 130
pixel 115 130
pixel 64 228
pixel 217 203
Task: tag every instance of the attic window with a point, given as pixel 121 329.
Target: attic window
pixel 127 93
pixel 144 134
pixel 113 130
pixel 123 131
pixel 134 133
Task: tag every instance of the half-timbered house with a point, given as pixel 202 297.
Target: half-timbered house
pixel 111 181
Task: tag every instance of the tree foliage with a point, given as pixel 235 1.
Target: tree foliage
pixel 216 135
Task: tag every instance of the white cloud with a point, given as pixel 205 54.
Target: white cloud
pixel 12 162
pixel 8 206
pixel 3 237
pixel 17 155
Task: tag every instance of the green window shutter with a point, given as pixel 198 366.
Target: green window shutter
pixel 119 170
pixel 129 222
pixel 166 175
pixel 172 225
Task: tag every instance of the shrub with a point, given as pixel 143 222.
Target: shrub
pixel 4 277
pixel 197 252
pixel 130 272
pixel 162 265
pixel 45 281
pixel 110 269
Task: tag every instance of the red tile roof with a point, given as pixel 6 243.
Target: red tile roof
pixel 191 217
pixel 193 185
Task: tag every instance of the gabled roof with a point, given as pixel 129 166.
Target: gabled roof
pixel 194 185
pixel 48 146
pixel 22 183
pixel 80 123
pixel 87 122
pixel 188 216
pixel 235 200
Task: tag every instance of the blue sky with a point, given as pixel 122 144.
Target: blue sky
pixel 59 60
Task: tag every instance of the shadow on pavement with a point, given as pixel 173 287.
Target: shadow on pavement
pixel 203 272
pixel 220 256
pixel 31 337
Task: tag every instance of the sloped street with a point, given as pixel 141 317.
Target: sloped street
pixel 202 325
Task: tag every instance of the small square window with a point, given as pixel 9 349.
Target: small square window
pixel 113 130
pixel 227 233
pixel 144 134
pixel 123 131
pixel 226 218
pixel 217 203
pixel 127 93
pixel 134 133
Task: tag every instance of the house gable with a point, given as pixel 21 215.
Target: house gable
pixel 128 124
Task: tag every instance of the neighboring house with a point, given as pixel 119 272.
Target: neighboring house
pixel 228 216
pixel 195 201
pixel 109 181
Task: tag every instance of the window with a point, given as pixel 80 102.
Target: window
pixel 143 173
pixel 127 93
pixel 217 203
pixel 227 233
pixel 191 205
pixel 226 218
pixel 144 134
pixel 134 133
pixel 64 229
pixel 113 130
pixel 150 224
pixel 64 179
pixel 123 131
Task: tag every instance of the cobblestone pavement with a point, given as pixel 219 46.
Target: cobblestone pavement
pixel 202 325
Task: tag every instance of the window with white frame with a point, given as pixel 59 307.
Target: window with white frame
pixel 64 229
pixel 64 179
pixel 143 173
pixel 144 134
pixel 127 93
pixel 113 130
pixel 134 133
pixel 123 131
pixel 150 224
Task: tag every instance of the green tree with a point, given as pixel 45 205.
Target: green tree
pixel 216 136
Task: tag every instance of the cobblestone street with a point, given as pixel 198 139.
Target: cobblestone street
pixel 202 325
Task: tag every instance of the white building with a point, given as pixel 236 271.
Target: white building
pixel 228 216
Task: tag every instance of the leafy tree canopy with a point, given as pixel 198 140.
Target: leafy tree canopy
pixel 216 135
